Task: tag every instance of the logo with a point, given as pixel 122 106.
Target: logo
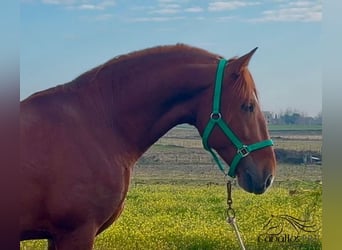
pixel 286 228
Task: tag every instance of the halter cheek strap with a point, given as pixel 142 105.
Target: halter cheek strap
pixel 216 120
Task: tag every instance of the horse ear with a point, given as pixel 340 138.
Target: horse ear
pixel 243 61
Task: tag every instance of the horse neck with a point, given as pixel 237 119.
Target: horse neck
pixel 142 106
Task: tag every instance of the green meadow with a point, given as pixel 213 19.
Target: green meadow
pixel 167 216
pixel 177 200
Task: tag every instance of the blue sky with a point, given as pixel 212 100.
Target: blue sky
pixel 60 39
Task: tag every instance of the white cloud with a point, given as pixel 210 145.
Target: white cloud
pixel 165 8
pixel 303 11
pixel 99 6
pixel 165 1
pixel 165 11
pixel 222 6
pixel 88 7
pixel 155 19
pixel 83 4
pixel 171 6
pixel 59 2
pixel 194 9
pixel 300 3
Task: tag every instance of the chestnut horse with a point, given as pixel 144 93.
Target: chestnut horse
pixel 80 140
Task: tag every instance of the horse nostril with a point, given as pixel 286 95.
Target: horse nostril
pixel 269 181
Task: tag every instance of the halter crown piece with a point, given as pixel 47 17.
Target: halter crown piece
pixel 216 120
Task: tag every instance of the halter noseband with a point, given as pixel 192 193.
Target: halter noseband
pixel 216 119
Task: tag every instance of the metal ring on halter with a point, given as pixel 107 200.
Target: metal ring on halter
pixel 215 116
pixel 243 151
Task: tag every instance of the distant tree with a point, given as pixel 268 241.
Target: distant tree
pixel 318 118
pixel 291 117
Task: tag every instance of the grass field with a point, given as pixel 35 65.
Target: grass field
pixel 177 200
pixel 294 127
pixel 165 216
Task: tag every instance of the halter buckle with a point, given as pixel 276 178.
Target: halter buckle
pixel 243 151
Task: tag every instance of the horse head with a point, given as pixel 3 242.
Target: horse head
pixel 233 125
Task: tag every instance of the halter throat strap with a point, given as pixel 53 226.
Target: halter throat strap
pixel 216 120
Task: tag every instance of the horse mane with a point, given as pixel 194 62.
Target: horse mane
pixel 244 86
pixel 179 49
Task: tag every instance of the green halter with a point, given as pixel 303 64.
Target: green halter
pixel 216 119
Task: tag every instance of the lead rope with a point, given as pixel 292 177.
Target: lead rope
pixel 231 214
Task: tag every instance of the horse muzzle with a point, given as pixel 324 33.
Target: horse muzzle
pixel 253 178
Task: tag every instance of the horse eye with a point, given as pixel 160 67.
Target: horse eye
pixel 248 107
pixel 251 107
pixel 235 76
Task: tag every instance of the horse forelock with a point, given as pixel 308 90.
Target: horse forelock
pixel 244 87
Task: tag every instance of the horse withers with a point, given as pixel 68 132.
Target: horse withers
pixel 80 140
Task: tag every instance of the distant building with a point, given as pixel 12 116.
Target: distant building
pixel 270 117
pixel 291 118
